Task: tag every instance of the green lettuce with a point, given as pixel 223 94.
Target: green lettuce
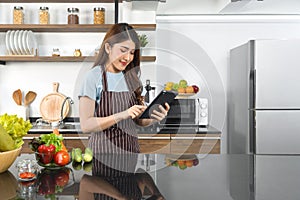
pixel 16 128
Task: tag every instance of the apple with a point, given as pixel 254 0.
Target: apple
pixel 196 88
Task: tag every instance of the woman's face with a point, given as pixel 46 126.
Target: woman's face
pixel 119 55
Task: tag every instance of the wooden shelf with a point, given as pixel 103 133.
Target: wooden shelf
pixel 59 1
pixel 70 27
pixel 4 59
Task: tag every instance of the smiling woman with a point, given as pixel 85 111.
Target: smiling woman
pixel 110 100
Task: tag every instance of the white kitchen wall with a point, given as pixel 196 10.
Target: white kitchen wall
pixel 215 35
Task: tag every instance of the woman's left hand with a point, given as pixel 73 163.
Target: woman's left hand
pixel 160 115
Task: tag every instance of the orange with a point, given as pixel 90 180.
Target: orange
pixel 180 162
pixel 189 163
pixel 181 90
pixel 189 89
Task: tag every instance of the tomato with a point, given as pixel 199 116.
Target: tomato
pixel 27 175
pixel 61 178
pixel 61 158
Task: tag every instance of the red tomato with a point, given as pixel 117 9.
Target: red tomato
pixel 61 178
pixel 61 158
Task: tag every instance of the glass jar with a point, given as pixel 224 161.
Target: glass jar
pixel 77 53
pixel 73 16
pixel 18 15
pixel 99 15
pixel 55 52
pixel 44 16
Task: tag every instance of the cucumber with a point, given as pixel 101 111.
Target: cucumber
pixel 88 155
pixel 77 155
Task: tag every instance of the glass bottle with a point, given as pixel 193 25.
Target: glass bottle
pixel 44 15
pixel 99 15
pixel 73 16
pixel 18 15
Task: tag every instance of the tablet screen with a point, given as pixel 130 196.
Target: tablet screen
pixel 162 98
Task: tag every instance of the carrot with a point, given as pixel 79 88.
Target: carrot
pixel 63 147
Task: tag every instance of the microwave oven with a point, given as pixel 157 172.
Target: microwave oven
pixel 187 112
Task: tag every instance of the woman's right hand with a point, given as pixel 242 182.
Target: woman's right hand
pixel 132 112
pixel 135 111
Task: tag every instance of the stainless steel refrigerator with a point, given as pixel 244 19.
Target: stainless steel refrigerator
pixel 264 97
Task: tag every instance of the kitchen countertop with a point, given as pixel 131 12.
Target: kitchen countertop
pixel 226 177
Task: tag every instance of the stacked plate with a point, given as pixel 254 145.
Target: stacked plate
pixel 20 42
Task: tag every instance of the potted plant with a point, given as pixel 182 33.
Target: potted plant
pixel 143 41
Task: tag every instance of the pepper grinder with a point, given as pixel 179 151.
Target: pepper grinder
pixel 148 96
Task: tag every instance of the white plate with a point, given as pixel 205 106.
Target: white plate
pixel 20 43
pixel 31 42
pixel 11 42
pixel 184 95
pixel 16 43
pixel 7 36
pixel 24 38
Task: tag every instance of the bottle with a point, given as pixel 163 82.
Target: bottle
pixel 73 16
pixel 44 15
pixel 18 15
pixel 99 15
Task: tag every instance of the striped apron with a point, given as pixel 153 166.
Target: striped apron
pixel 122 137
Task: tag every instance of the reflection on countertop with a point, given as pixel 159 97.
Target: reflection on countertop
pixel 223 176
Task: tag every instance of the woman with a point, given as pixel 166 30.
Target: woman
pixel 110 100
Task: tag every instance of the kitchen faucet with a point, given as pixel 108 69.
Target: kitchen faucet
pixel 62 109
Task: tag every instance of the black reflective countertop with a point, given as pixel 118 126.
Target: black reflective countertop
pixel 207 177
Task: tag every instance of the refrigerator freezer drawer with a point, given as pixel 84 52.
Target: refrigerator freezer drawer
pixel 277 132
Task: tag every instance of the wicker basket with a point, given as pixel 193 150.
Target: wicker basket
pixel 7 158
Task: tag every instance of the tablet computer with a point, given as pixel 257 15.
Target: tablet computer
pixel 162 98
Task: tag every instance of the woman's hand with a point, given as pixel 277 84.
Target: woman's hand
pixel 135 111
pixel 160 115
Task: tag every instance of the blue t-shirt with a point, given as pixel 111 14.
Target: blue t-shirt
pixel 92 84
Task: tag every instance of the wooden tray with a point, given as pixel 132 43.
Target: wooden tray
pixel 50 107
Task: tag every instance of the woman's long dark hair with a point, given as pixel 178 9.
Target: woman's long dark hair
pixel 116 34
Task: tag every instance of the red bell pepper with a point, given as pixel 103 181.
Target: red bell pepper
pixel 46 153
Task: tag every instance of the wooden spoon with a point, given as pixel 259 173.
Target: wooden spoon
pixel 17 96
pixel 29 98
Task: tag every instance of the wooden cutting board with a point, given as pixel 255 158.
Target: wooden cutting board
pixel 50 107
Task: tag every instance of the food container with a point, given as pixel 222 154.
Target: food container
pixel 99 15
pixel 18 15
pixel 44 16
pixel 73 16
pixel 55 52
pixel 77 53
pixel 27 169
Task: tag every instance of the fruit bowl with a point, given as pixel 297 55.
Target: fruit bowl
pixel 184 95
pixel 7 158
pixel 182 161
pixel 50 182
pixel 48 160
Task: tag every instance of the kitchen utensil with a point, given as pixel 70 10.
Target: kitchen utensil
pixel 50 107
pixel 17 96
pixel 7 158
pixel 29 98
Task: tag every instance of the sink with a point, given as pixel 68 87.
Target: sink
pixel 70 126
pixel 66 127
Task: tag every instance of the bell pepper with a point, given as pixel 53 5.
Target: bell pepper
pixel 46 153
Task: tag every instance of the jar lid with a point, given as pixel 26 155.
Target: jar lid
pixel 73 10
pixel 44 8
pixel 18 7
pixel 99 9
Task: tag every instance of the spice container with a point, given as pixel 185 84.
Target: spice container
pixel 99 15
pixel 77 53
pixel 55 52
pixel 44 15
pixel 18 15
pixel 73 16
